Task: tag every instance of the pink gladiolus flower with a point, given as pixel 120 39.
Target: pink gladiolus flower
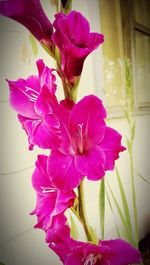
pixel 75 42
pixel 88 148
pixel 51 202
pixel 35 101
pixel 31 15
pixel 111 252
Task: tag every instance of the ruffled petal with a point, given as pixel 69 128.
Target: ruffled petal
pixel 111 145
pixel 119 252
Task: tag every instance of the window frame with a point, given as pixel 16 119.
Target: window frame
pixel 128 29
pixel 129 26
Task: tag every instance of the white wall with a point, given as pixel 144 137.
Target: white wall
pixel 20 244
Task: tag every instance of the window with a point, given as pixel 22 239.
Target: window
pixel 141 29
pixel 126 26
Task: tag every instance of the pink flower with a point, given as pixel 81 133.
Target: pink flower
pixel 88 148
pixel 75 42
pixel 35 101
pixel 111 252
pixel 31 15
pixel 51 202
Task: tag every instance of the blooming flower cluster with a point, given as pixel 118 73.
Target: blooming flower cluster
pixel 80 143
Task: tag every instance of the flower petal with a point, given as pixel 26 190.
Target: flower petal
pixel 67 104
pixel 119 252
pixel 95 39
pixel 66 177
pixel 45 134
pixel 46 76
pixel 46 103
pixel 75 259
pixel 111 145
pixel 59 231
pixel 72 61
pixel 91 164
pixel 44 211
pixel 22 95
pixel 40 177
pixel 60 37
pixel 76 22
pixel 64 200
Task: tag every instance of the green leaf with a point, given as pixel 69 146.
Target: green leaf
pixel 102 207
pixel 67 7
pixel 74 90
pixel 73 230
pixel 95 239
pixel 143 178
pixel 34 45
pixel 127 115
pixel 129 145
pixel 132 101
pixel 117 228
pixel 133 130
pixel 47 50
pixel 57 55
pixel 124 201
pixel 122 218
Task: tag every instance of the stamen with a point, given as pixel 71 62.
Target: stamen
pixel 32 90
pixel 92 259
pixel 48 189
pixel 31 93
pixel 81 136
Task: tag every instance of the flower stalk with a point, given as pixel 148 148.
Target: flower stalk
pixel 82 212
pixel 134 196
pixel 131 123
pixel 81 215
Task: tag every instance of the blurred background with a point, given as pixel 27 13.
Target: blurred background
pixel 119 73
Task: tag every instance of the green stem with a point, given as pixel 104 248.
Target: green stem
pixel 134 195
pixel 66 88
pixel 82 211
pixel 76 214
pixel 102 207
